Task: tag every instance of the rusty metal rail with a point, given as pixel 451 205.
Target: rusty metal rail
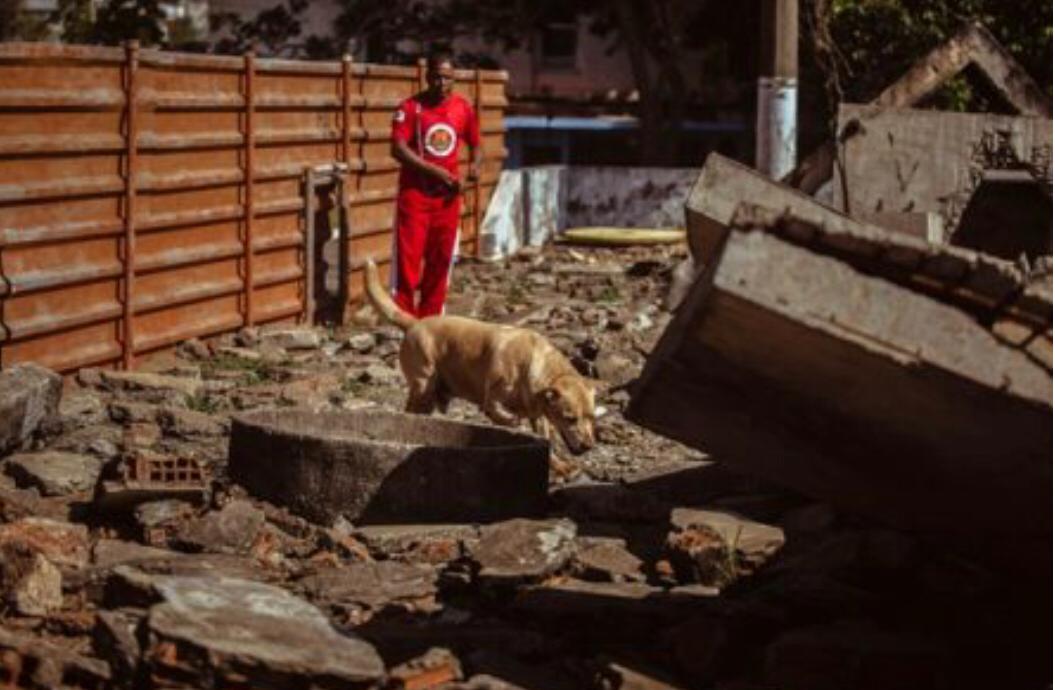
pixel 149 197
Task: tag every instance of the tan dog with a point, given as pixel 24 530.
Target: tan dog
pixel 510 373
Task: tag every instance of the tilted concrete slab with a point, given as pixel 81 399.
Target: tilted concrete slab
pixel 870 370
pixel 906 160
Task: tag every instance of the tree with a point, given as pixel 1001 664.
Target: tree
pixel 860 46
pixel 273 31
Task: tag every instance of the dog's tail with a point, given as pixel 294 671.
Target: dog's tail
pixel 381 300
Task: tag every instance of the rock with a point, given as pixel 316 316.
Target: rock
pixel 46 665
pixel 16 504
pixel 518 550
pixel 115 639
pixel 156 388
pixel 127 412
pixel 714 548
pixel 435 667
pixel 28 581
pixel 292 338
pixel 434 544
pixel 361 342
pixel 856 654
pixel 104 449
pixel 373 584
pixel 110 553
pixel 194 349
pixel 314 393
pixel 190 424
pixel 607 560
pixel 29 398
pixel 62 543
pixel 381 375
pixel 81 408
pixel 251 633
pixel 55 473
pixel 231 530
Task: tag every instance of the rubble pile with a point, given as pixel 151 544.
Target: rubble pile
pixel 130 558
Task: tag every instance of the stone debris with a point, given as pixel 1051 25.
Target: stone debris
pixel 29 398
pixel 55 473
pixel 655 568
pixel 522 550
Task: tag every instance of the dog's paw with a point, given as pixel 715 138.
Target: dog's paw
pixel 562 469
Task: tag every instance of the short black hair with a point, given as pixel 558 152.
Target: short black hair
pixel 436 58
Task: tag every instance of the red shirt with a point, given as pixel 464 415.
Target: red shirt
pixel 436 134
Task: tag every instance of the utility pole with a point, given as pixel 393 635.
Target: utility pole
pixel 778 83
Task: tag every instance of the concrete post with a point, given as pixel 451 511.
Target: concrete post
pixel 776 123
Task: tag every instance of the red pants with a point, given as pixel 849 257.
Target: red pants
pixel 426 233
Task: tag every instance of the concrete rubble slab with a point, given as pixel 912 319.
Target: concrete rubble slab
pixel 375 467
pixel 717 547
pixel 859 367
pixel 372 585
pixel 248 632
pixel 55 473
pixel 29 397
pixel 522 550
pixel 417 543
pixel 233 529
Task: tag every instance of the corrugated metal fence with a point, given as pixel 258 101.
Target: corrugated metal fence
pixel 127 220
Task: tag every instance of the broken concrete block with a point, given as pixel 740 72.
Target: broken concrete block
pixel 435 544
pixel 374 467
pixel 232 529
pixel 523 550
pixel 606 560
pixel 864 335
pixel 720 546
pixel 55 473
pixel 29 397
pixel 373 585
pixel 29 583
pixel 63 543
pixel 251 633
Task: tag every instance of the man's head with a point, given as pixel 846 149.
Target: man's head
pixel 439 74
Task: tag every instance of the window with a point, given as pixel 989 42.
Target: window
pixel 559 41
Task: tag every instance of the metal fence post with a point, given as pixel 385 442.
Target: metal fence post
pixel 250 212
pixel 131 160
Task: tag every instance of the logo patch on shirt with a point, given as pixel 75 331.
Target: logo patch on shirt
pixel 440 139
pixel 399 116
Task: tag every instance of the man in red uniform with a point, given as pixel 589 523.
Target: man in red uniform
pixel 427 133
